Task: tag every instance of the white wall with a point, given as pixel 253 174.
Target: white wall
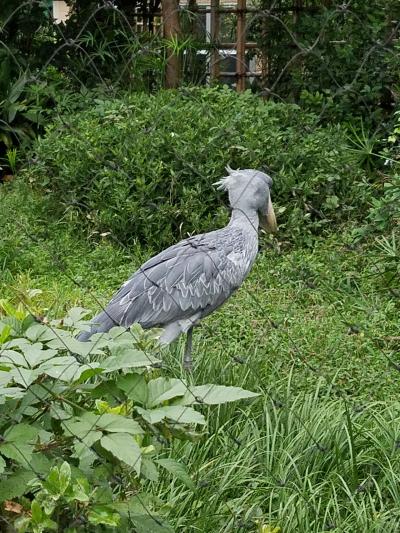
pixel 60 10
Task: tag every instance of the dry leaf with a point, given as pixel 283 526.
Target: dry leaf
pixel 13 507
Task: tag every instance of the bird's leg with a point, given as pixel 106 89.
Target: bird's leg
pixel 187 356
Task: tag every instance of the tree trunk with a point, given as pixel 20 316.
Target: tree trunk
pixel 170 13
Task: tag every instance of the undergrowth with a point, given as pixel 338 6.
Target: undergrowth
pixel 314 331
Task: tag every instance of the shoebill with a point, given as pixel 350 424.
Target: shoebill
pixel 186 282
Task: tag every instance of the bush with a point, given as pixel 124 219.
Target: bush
pixel 84 425
pixel 384 212
pixel 143 167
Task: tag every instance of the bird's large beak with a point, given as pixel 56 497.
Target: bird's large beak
pixel 268 219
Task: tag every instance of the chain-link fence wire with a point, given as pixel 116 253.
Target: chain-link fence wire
pixel 76 44
pixel 259 303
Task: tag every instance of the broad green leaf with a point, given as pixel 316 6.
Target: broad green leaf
pixel 85 454
pixel 16 444
pixel 58 480
pixel 22 523
pixel 110 422
pixel 5 378
pixel 179 413
pixel 21 433
pixel 124 448
pixel 65 368
pixel 47 523
pixel 12 358
pixel 64 476
pixel 5 331
pixel 150 523
pixel 37 394
pixel 134 386
pixel 24 376
pixel 15 343
pixel 80 426
pixel 16 485
pixel 118 424
pixel 36 512
pixel 72 345
pixel 90 372
pixel 120 332
pixel 60 413
pixel 85 433
pixel 214 395
pixel 148 469
pixel 43 333
pixel 162 389
pixel 35 354
pixel 44 436
pixel 75 315
pixel 11 393
pixel 178 470
pixel 80 491
pixel 40 464
pixel 2 465
pixel 103 515
pixel 128 357
pixel 101 339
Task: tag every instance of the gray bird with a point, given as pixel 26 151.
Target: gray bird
pixel 186 282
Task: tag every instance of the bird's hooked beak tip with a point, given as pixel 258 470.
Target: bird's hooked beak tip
pixel 268 219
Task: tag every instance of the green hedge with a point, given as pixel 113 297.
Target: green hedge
pixel 143 167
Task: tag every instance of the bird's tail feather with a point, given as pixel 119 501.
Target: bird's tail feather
pixel 101 323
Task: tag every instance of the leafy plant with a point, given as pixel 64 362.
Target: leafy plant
pixel 13 108
pixel 142 168
pixel 365 146
pixel 384 212
pixel 74 417
pixel 11 156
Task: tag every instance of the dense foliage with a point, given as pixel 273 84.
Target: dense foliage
pixel 108 435
pixel 314 330
pixel 338 58
pixel 83 424
pixel 143 167
pixel 41 62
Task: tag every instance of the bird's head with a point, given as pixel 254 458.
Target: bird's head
pixel 249 190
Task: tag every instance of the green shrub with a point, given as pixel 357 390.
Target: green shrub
pixel 143 167
pixel 84 425
pixel 384 211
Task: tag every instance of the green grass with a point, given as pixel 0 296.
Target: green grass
pixel 313 330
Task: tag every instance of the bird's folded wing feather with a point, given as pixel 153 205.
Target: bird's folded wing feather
pixel 194 275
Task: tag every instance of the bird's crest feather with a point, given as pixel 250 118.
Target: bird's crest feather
pixel 227 181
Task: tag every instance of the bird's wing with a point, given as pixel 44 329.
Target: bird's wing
pixel 195 275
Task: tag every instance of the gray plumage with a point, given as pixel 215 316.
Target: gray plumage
pixel 186 282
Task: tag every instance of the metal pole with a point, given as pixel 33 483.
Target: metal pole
pixel 241 46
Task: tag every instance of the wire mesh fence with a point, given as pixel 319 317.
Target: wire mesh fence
pixel 48 377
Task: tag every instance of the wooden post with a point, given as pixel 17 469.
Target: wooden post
pixel 241 46
pixel 214 60
pixel 170 13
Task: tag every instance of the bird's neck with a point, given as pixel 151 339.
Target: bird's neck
pixel 245 219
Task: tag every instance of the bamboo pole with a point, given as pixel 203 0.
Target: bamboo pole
pixel 215 57
pixel 241 46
